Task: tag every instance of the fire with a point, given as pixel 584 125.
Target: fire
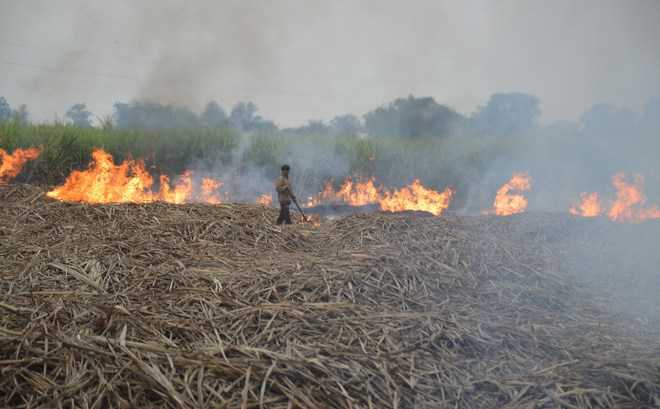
pixel 11 165
pixel 629 200
pixel 180 194
pixel 209 190
pixel 265 200
pixel 313 219
pixel 351 193
pixel 105 182
pixel 506 204
pixel 412 197
pixel 589 206
pixel 417 197
pixel 129 182
pixel 359 194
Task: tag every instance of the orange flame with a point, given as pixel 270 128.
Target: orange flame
pixel 629 199
pixel 313 219
pixel 351 193
pixel 182 190
pixel 417 197
pixel 412 197
pixel 105 182
pixel 129 182
pixel 265 200
pixel 209 190
pixel 589 205
pixel 506 204
pixel 12 165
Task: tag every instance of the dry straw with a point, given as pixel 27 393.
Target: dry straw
pixel 200 306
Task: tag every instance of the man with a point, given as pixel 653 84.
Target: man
pixel 284 195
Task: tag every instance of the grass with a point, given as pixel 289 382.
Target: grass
pixel 314 158
pixel 65 147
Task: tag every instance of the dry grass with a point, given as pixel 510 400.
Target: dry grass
pixel 214 306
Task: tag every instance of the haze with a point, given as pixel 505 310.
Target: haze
pixel 301 60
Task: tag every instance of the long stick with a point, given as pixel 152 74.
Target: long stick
pixel 300 210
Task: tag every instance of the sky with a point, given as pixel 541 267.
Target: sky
pixel 300 60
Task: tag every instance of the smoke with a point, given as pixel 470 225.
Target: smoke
pixel 314 59
pixel 619 263
pixel 189 57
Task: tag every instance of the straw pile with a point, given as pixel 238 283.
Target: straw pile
pixel 201 306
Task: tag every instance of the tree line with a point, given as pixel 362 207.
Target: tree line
pixel 409 117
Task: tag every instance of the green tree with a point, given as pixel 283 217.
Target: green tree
pixel 412 117
pixel 507 113
pixel 5 110
pixel 79 116
pixel 214 116
pixel 21 115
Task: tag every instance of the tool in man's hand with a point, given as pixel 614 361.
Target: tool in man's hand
pixel 299 209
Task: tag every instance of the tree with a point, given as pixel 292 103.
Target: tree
pixel 507 113
pixel 214 116
pixel 5 110
pixel 21 114
pixel 412 117
pixel 244 117
pixel 154 116
pixel 79 116
pixel 314 126
pixel 346 125
pixel 606 120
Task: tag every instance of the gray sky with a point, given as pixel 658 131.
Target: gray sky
pixel 313 59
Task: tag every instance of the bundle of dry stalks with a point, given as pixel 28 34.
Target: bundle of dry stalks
pixel 214 306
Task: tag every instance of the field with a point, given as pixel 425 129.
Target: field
pixel 223 151
pixel 198 305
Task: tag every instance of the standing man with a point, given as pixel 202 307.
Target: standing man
pixel 284 195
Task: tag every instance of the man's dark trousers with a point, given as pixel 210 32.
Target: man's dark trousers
pixel 285 215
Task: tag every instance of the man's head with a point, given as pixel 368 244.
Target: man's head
pixel 285 170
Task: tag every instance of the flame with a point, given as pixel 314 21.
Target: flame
pixel 506 204
pixel 265 200
pixel 209 190
pixel 182 190
pixel 359 194
pixel 129 182
pixel 313 219
pixel 351 193
pixel 589 205
pixel 326 195
pixel 412 197
pixel 629 199
pixel 11 165
pixel 417 197
pixel 105 182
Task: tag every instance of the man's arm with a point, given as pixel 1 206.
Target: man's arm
pixel 290 189
pixel 282 185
